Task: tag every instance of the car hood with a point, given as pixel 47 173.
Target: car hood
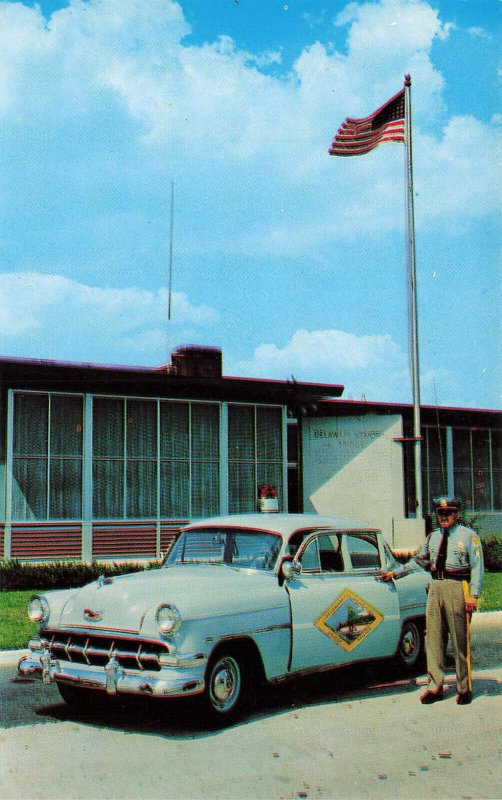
pixel 122 603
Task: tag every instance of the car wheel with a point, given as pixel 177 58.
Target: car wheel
pixel 224 686
pixel 410 650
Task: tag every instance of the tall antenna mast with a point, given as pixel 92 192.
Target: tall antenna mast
pixel 171 254
pixel 170 274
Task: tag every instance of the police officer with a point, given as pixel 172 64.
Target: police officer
pixel 452 554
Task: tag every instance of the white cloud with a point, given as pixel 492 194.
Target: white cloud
pixel 107 92
pixel 52 317
pixel 368 365
pixel 457 176
pixel 105 102
pixel 480 33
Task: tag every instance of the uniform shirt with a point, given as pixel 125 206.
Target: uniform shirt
pixel 464 556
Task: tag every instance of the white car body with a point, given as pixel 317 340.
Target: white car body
pixel 241 596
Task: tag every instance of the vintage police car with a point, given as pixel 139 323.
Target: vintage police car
pixel 238 599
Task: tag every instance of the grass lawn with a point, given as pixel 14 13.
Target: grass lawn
pixel 491 597
pixel 16 629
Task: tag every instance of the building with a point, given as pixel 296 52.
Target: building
pixel 102 461
pixel 358 458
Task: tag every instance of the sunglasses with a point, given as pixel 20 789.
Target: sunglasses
pixel 446 513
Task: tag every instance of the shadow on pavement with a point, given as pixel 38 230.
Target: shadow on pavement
pixel 182 718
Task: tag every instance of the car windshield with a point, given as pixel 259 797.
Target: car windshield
pixel 237 547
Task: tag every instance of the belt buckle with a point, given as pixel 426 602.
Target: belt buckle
pixel 440 575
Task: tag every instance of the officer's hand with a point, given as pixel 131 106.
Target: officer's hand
pixel 386 576
pixel 471 604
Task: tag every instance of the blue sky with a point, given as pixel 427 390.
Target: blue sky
pixel 291 261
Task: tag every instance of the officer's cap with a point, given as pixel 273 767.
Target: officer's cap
pixel 452 503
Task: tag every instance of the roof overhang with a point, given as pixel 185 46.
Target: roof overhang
pixel 45 375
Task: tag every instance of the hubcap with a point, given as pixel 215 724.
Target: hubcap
pixel 225 684
pixel 409 645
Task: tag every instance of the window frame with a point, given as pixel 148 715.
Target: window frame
pixel 312 540
pixel 218 477
pixel 49 458
pixel 260 468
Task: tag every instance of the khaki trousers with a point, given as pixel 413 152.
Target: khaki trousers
pixel 445 615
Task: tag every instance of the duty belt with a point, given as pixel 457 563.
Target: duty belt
pixel 446 574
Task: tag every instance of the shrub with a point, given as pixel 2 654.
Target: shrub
pixel 15 575
pixel 492 552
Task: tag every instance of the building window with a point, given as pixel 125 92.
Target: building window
pixel 141 459
pixel 149 458
pixel 189 459
pixel 474 456
pixel 174 459
pixel 434 465
pixel 204 460
pixel 47 456
pixel 108 445
pixel 255 454
pixel 144 450
pixel 477 468
pixel 482 484
pixel 293 455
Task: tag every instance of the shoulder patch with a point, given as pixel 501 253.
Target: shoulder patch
pixel 475 541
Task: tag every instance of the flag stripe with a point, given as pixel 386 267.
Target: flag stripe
pixel 358 136
pixel 347 136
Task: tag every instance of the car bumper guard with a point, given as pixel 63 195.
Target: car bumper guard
pixel 179 681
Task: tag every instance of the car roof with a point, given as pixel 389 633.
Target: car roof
pixel 284 524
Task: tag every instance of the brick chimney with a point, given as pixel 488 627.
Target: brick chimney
pixel 194 361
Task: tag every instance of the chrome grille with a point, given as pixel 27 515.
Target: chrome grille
pixel 97 649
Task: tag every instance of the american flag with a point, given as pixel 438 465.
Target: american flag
pixel 358 136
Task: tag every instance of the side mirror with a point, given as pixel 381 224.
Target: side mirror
pixel 290 570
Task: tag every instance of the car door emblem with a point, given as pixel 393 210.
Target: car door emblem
pixel 91 615
pixel 348 620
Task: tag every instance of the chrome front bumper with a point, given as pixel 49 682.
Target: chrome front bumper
pixel 179 681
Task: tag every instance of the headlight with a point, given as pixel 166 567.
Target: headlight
pixel 168 619
pixel 38 609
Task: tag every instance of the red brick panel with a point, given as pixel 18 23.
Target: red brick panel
pixel 45 540
pixel 124 539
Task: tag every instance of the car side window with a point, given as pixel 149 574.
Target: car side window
pixel 323 554
pixel 391 560
pixel 310 557
pixel 363 549
pixel 329 553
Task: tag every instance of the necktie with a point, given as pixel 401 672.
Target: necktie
pixel 441 556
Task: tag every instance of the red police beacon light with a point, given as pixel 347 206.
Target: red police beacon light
pixel 267 498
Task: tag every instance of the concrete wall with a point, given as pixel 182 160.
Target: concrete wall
pixel 353 467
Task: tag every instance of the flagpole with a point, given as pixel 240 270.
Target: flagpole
pixel 412 298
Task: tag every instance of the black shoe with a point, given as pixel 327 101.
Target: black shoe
pixel 431 697
pixel 464 699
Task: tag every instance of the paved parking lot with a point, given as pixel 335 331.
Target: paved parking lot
pixel 357 733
